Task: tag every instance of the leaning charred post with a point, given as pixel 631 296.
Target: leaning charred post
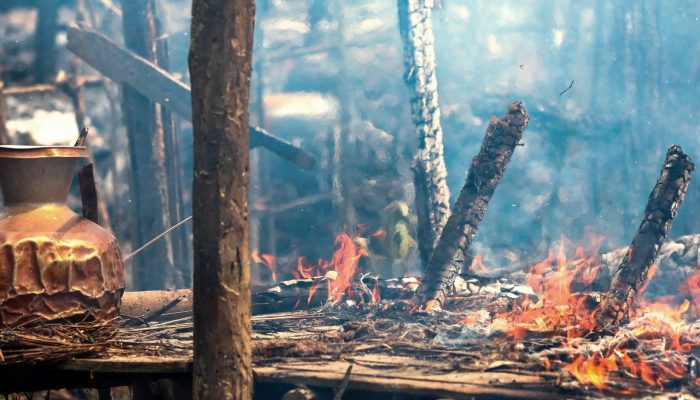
pixel 663 204
pixel 220 61
pixel 432 193
pixel 502 136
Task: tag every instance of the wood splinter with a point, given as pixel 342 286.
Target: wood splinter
pixel 664 202
pixel 487 168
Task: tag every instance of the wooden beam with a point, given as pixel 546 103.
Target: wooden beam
pixel 181 239
pixel 220 60
pixel 156 270
pixel 45 41
pixel 125 67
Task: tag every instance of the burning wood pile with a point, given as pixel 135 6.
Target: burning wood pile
pixel 575 312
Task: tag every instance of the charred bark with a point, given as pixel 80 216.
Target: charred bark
pixel 155 270
pixel 4 133
pixel 432 193
pixel 220 61
pixel 502 136
pixel 88 193
pixel 74 88
pixel 663 204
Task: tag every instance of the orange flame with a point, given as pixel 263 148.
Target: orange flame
pixel 267 260
pixel 344 262
pixel 557 307
pixel 477 264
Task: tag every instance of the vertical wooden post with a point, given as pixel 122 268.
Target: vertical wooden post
pixel 220 65
pixel 45 41
pixel 155 268
pixel 181 242
pixel 4 134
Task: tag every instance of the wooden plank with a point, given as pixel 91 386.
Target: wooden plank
pixel 130 365
pixel 377 373
pixel 122 66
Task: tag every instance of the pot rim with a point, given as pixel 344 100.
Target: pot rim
pixel 15 151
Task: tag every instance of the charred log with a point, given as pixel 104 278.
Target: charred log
pixel 677 261
pixel 664 201
pixel 502 136
pixel 432 193
pixel 297 294
pixel 220 60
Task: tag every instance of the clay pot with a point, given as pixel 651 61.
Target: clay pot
pixel 54 264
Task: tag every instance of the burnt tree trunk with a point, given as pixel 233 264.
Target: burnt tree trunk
pixel 45 41
pixel 220 65
pixel 432 193
pixel 662 207
pixel 502 136
pixel 154 269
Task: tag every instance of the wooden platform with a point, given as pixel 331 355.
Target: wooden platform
pixel 375 373
pixel 390 358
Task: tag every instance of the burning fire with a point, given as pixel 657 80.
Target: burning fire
pixel 338 272
pixel 558 310
pixel 653 347
pixel 267 260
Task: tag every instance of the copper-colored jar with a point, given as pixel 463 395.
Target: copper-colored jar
pixel 54 264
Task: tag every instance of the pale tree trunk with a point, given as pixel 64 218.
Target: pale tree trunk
pixel 432 193
pixel 220 66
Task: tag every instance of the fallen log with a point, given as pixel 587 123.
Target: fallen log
pixel 502 136
pixel 664 201
pixel 430 173
pixel 153 82
pixel 312 292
